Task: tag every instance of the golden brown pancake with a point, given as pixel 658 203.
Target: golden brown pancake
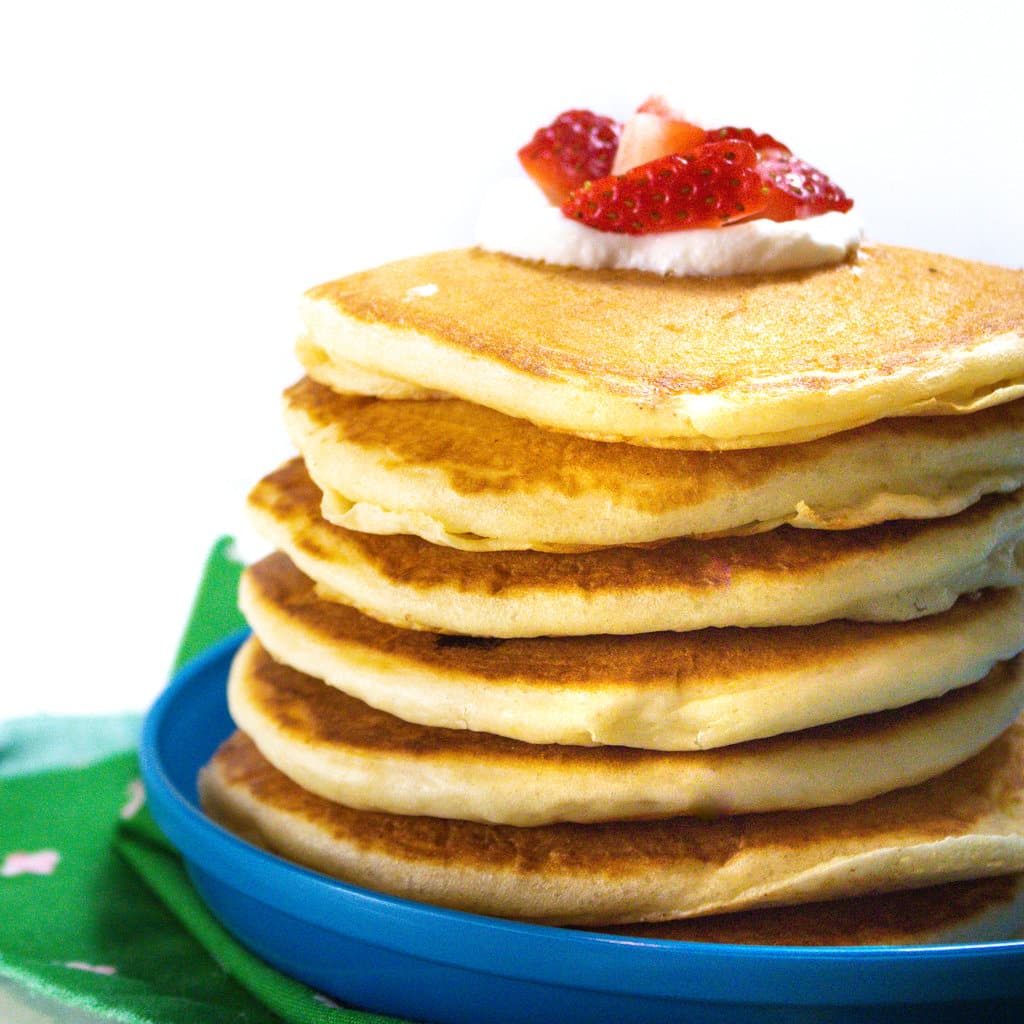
pixel 892 571
pixel 730 362
pixel 986 910
pixel 462 475
pixel 348 379
pixel 344 750
pixel 967 823
pixel 664 691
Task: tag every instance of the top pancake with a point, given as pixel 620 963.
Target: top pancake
pixel 686 362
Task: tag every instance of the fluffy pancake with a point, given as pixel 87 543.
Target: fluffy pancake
pixel 892 571
pixel 987 910
pixel 730 362
pixel 967 823
pixel 458 474
pixel 346 751
pixel 348 379
pixel 664 691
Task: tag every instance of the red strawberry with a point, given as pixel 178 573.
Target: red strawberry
pixel 576 147
pixel 715 184
pixel 655 130
pixel 645 137
pixel 796 190
pixel 764 144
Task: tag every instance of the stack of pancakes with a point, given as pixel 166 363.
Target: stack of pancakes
pixel 682 607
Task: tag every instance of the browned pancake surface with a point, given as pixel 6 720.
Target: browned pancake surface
pixel 942 807
pixel 309 712
pixel 289 496
pixel 628 661
pixel 480 450
pixel 647 337
pixel 889 918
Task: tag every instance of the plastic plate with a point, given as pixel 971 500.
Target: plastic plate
pixel 421 962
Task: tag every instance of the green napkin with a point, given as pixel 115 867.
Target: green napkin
pixel 96 909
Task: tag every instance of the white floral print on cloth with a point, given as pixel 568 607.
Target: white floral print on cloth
pixel 32 862
pixel 80 965
pixel 136 798
pixel 327 1001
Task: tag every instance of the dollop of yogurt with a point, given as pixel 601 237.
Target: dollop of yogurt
pixel 516 219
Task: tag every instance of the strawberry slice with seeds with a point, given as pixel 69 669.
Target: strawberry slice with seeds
pixel 795 189
pixel 763 144
pixel 713 185
pixel 655 130
pixel 576 147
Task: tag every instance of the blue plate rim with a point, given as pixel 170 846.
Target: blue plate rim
pixel 205 844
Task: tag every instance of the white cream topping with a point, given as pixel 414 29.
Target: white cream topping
pixel 516 219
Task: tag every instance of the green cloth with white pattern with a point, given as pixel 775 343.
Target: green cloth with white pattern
pixel 96 910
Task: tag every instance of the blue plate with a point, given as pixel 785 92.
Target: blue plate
pixel 412 960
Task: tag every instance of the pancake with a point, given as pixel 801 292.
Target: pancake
pixel 733 362
pixel 468 477
pixel 346 751
pixel 663 691
pixel 986 910
pixel 892 571
pixel 967 823
pixel 348 379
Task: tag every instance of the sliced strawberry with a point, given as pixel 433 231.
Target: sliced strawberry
pixel 576 147
pixel 714 185
pixel 645 137
pixel 795 189
pixel 763 144
pixel 655 130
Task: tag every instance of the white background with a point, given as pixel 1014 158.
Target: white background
pixel 173 176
